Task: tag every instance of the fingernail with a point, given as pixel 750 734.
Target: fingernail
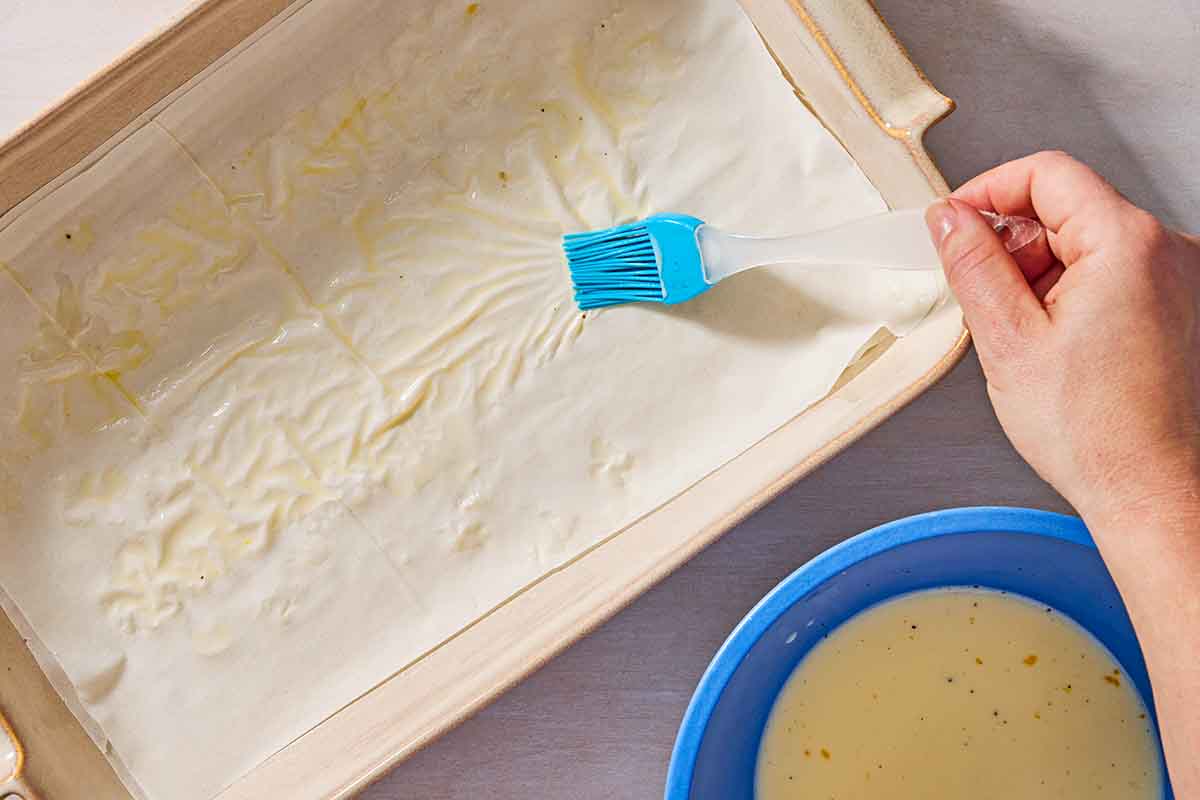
pixel 940 219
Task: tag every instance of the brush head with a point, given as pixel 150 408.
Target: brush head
pixel 656 260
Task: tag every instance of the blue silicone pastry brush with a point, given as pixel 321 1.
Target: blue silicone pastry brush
pixel 670 258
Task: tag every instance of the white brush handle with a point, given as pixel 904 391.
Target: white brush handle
pixel 896 240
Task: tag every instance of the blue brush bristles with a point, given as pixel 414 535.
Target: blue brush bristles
pixel 615 266
pixel 656 260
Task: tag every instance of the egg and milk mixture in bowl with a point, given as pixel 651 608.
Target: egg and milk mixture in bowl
pixel 959 693
pixel 978 653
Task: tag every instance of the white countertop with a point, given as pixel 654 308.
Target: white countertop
pixel 49 47
pixel 1114 83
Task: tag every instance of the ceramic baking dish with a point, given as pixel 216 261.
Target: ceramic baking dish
pixel 857 80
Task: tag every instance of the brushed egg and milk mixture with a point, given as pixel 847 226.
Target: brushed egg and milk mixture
pixel 297 387
pixel 959 693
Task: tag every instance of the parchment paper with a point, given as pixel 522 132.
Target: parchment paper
pixel 300 388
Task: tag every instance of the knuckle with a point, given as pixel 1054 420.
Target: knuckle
pixel 1152 238
pixel 1056 158
pixel 1145 243
pixel 1062 164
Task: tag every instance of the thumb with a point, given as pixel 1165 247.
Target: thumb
pixel 999 305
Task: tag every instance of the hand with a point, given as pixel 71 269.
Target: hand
pixel 1089 337
pixel 1090 341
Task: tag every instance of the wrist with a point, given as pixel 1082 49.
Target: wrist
pixel 1166 497
pixel 1150 542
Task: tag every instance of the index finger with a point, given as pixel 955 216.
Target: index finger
pixel 1051 187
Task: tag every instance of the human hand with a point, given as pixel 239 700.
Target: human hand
pixel 1089 337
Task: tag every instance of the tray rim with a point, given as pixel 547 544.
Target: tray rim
pixel 86 120
pixel 53 145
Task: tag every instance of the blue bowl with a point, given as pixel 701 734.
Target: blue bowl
pixel 1047 557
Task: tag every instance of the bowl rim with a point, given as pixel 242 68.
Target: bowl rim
pixel 880 539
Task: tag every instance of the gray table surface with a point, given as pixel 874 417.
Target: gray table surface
pixel 1114 83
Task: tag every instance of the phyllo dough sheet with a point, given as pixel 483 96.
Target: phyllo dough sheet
pixel 298 390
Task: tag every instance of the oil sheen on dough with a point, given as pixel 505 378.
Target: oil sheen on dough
pixel 959 693
pixel 301 391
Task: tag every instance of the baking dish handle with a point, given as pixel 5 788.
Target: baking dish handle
pixel 12 761
pixel 18 789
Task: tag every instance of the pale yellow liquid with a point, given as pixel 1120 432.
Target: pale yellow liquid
pixel 958 693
